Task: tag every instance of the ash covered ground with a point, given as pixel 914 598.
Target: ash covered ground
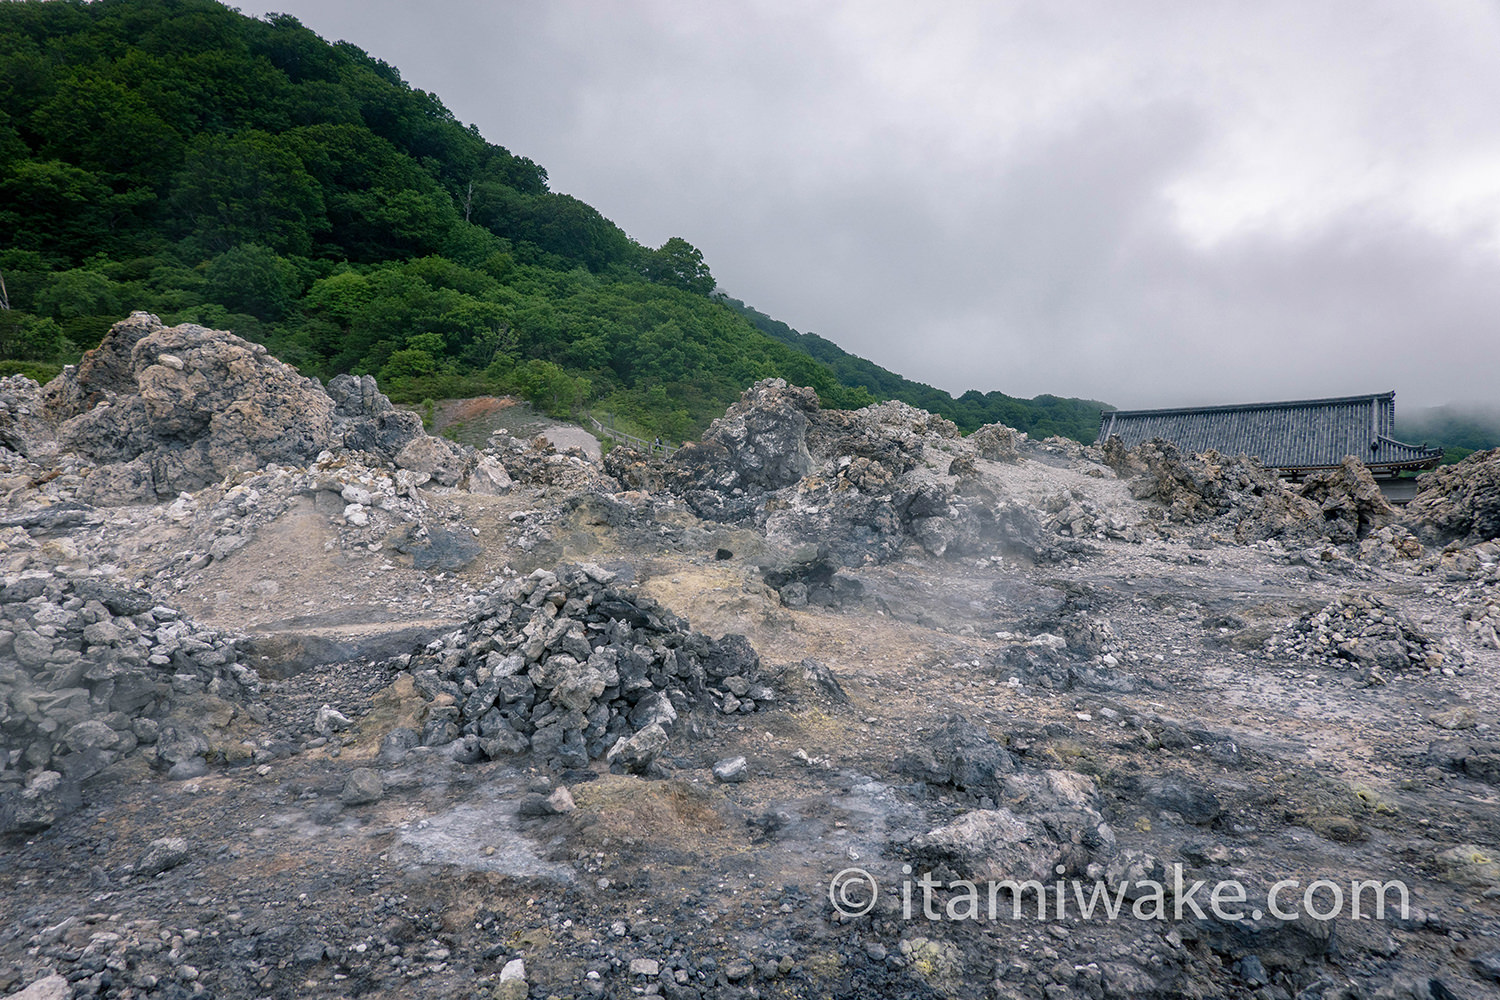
pixel 297 700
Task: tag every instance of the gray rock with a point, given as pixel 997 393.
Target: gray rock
pixel 363 786
pixel 654 709
pixel 186 770
pixel 47 797
pixel 505 743
pixel 997 442
pixel 467 749
pixel 554 803
pixel 731 770
pixel 824 682
pixel 962 755
pixel 398 743
pixel 990 843
pixel 1193 802
pixel 1252 971
pixel 444 550
pixel 53 987
pixel 365 420
pixel 1487 966
pixel 759 443
pixel 439 732
pixel 162 855
pixel 187 406
pixel 435 457
pixel 31 650
pixel 1056 821
pixel 91 734
pixel 1129 869
pixel 177 743
pixel 636 753
pixel 1457 502
pixel 330 720
pixel 512 985
pixel 489 478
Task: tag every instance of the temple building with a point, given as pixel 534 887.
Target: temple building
pixel 1295 438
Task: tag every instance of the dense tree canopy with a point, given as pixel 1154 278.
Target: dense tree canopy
pixel 179 157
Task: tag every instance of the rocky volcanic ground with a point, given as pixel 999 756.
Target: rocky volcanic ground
pixel 296 700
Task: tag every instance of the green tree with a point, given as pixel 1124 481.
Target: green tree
pixel 680 264
pixel 79 292
pixel 418 359
pixel 103 126
pixel 54 207
pixel 254 279
pixel 29 338
pixel 246 188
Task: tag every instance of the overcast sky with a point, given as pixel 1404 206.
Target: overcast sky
pixel 1146 203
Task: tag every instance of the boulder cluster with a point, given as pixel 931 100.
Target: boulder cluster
pixel 92 671
pixel 1051 818
pixel 1458 503
pixel 1249 502
pixel 1360 632
pixel 849 488
pixel 573 667
pixel 155 410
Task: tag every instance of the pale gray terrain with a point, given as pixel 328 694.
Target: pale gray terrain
pixel 297 700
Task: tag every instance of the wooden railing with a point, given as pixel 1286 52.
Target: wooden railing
pixel 657 447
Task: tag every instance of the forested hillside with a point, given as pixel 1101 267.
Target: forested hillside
pixel 1461 431
pixel 179 157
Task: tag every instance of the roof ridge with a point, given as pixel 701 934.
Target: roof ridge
pixel 1280 404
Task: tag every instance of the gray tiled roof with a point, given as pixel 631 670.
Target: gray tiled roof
pixel 1291 436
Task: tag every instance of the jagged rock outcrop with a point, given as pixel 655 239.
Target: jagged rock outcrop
pixel 848 487
pixel 24 426
pixel 194 406
pixel 759 444
pixel 1458 503
pixel 998 443
pixel 1342 505
pixel 1350 500
pixel 160 410
pixel 364 420
pixel 1200 488
pixel 634 469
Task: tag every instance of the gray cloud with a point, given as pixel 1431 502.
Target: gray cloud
pixel 1149 204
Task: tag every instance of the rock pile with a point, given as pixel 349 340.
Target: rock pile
pixel 160 410
pixel 572 667
pixel 635 470
pixel 1076 515
pixel 1458 503
pixel 538 463
pixel 849 488
pixel 1342 505
pixel 1390 544
pixel 1360 632
pixel 1196 489
pixel 1482 618
pixel 1349 500
pixel 89 671
pixel 1053 825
